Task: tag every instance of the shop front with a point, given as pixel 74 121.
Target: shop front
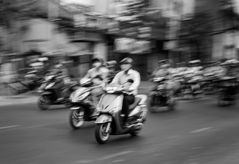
pixel 138 50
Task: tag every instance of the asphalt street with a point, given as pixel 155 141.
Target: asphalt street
pixel 198 132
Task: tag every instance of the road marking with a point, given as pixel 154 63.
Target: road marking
pixel 118 161
pixel 8 127
pixel 201 130
pixel 116 155
pixel 83 161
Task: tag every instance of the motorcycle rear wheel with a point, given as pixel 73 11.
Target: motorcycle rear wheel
pixel 76 119
pixel 101 135
pixel 134 133
pixel 43 103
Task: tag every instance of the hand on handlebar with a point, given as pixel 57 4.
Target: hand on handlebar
pixel 126 89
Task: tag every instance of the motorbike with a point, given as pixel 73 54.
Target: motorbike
pixel 26 83
pixel 228 89
pixel 209 84
pixel 82 107
pixel 110 118
pixel 192 85
pixel 48 93
pixel 160 96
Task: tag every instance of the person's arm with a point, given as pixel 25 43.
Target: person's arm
pixel 136 82
pixel 116 79
pixel 87 76
pixel 105 74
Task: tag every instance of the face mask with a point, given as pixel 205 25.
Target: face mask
pixel 125 67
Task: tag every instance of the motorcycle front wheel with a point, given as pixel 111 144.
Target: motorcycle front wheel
pixel 134 133
pixel 76 119
pixel 101 135
pixel 43 103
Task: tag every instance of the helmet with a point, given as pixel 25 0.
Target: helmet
pixel 94 60
pixel 126 61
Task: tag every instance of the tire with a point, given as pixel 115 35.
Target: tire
pixel 171 106
pixel 134 133
pixel 219 103
pixel 99 136
pixel 43 103
pixel 150 104
pixel 76 119
pixel 67 104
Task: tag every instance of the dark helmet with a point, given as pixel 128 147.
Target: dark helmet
pixel 127 61
pixel 94 60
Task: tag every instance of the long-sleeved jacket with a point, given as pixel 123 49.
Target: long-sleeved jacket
pixel 122 78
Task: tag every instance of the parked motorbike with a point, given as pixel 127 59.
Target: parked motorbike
pixel 192 85
pixel 26 83
pixel 110 121
pixel 209 84
pixel 228 89
pixel 160 96
pixel 49 93
pixel 82 106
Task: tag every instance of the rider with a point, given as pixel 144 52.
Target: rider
pixel 130 80
pixel 59 80
pixel 162 70
pixel 111 65
pixel 99 72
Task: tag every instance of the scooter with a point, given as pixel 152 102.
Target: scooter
pixel 160 96
pixel 48 93
pixel 110 119
pixel 82 106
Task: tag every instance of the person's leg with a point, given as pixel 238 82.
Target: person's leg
pixel 59 86
pixel 128 100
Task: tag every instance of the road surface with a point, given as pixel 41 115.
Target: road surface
pixel 198 132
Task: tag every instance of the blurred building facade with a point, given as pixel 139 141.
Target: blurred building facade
pixel 175 11
pixel 225 28
pixel 57 32
pixel 146 30
pixel 136 31
pixel 216 24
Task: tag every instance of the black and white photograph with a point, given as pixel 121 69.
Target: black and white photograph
pixel 119 81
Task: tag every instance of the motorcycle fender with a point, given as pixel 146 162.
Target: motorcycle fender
pixel 103 119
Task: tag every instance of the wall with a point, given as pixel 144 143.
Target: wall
pixel 43 36
pixel 100 50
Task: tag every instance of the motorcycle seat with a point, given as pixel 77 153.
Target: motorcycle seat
pixel 136 102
